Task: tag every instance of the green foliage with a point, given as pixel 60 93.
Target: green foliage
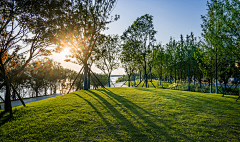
pixel 138 44
pixel 203 88
pixel 222 35
pixel 156 83
pixel 193 88
pixel 125 114
pixel 107 57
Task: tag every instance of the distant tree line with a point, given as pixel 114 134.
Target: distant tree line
pixel 212 58
pixel 44 77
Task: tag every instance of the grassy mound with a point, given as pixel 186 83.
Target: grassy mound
pixel 126 114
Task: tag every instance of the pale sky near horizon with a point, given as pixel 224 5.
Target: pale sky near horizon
pixel 170 18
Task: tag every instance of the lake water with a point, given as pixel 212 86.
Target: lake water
pixel 113 79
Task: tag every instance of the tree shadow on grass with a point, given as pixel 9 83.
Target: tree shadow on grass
pixel 5 117
pixel 195 100
pixel 152 128
pixel 110 126
pixel 120 118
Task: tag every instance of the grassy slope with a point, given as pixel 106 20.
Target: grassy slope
pixel 126 114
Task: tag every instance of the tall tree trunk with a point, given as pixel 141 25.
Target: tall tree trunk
pixel 145 71
pixel 225 89
pixel 140 76
pixel 194 80
pixel 13 95
pixel 45 90
pixel 51 90
pixel 36 92
pixel 7 104
pixel 159 76
pixel 188 79
pixel 200 81
pixel 134 79
pixel 151 75
pixel 55 90
pixel 89 77
pixel 216 73
pixel 109 81
pixel 211 84
pixel 128 80
pixel 85 87
pixel 175 75
pixel 181 77
pixel 171 76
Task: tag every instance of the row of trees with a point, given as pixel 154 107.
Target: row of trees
pixel 212 57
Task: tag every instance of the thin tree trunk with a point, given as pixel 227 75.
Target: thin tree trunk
pixel 128 80
pixel 194 80
pixel 14 95
pixel 159 75
pixel 36 92
pixel 145 71
pixel 140 76
pixel 45 91
pixel 109 81
pixel 225 89
pixel 188 79
pixel 211 84
pixel 175 74
pixel 18 95
pixel 85 87
pixel 7 104
pixel 181 78
pixel 151 75
pixel 200 81
pixel 89 76
pixel 134 79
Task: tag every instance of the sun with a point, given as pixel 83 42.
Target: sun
pixel 65 52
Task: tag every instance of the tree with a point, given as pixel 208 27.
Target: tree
pixel 127 59
pixel 38 72
pixel 26 30
pixel 158 62
pixel 141 34
pixel 108 55
pixel 221 29
pixel 171 57
pixel 83 26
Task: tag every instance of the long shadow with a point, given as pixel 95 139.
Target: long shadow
pixel 136 134
pixel 115 103
pixel 195 99
pixel 5 117
pixel 122 99
pixel 134 109
pixel 114 111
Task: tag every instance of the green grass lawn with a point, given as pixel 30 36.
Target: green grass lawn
pixel 126 114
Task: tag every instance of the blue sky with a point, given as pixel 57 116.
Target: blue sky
pixel 170 18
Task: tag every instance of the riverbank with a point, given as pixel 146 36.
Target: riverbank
pixel 29 100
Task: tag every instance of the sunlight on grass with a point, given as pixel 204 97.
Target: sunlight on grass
pixel 126 114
